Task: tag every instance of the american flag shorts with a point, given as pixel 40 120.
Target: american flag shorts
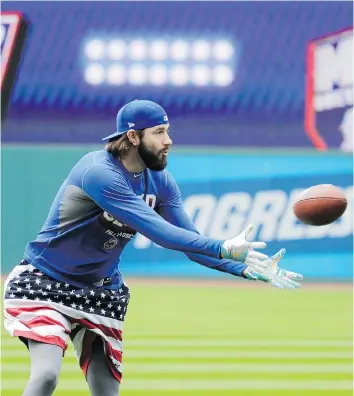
pixel 40 308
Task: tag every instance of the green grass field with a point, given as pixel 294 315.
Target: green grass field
pixel 220 339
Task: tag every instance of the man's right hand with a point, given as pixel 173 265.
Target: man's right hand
pixel 239 249
pixel 274 275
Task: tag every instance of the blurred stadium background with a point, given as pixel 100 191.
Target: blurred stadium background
pixel 261 106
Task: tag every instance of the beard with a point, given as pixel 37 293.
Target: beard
pixel 156 162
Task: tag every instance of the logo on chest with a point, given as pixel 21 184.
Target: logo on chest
pixel 110 244
pixel 116 229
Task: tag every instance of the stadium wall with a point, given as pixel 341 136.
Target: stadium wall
pixel 222 191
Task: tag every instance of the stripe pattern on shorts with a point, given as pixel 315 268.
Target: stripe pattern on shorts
pixel 45 310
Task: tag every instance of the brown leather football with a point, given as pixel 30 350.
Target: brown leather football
pixel 320 205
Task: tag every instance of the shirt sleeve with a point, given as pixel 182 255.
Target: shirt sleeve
pixel 171 209
pixel 110 190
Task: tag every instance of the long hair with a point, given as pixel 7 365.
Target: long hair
pixel 120 146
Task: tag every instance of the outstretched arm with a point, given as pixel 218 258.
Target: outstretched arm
pixel 172 210
pixel 110 190
pixel 177 216
pixel 238 248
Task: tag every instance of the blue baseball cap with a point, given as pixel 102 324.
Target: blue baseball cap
pixel 138 114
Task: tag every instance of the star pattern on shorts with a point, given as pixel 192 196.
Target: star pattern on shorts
pixel 36 286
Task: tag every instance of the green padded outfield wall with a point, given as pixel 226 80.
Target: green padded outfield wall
pixel 31 177
pixel 211 182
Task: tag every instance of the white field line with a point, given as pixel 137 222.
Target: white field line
pixel 215 343
pixel 193 384
pixel 197 334
pixel 153 353
pixel 136 332
pixel 192 333
pixel 204 367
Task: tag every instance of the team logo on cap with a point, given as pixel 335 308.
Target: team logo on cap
pixel 165 118
pixel 131 124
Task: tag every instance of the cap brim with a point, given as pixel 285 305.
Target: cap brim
pixel 115 134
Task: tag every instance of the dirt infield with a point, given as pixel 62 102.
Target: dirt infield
pixel 232 282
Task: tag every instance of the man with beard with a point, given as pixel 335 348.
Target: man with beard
pixel 69 284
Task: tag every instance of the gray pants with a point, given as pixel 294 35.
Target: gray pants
pixel 45 369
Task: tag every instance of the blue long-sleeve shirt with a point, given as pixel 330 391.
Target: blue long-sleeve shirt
pixel 98 210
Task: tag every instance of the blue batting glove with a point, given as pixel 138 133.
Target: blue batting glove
pixel 274 275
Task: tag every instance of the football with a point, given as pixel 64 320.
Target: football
pixel 320 205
